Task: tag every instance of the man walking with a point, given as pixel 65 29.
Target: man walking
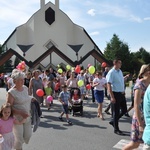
pixel 116 89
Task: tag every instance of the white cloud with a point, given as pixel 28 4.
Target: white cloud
pixel 94 33
pixel 91 12
pixel 105 8
pixel 135 18
pixel 17 12
pixel 147 18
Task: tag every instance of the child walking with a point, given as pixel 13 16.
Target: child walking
pixel 48 92
pixel 64 97
pixel 6 127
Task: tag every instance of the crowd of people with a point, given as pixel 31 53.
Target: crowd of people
pixel 22 89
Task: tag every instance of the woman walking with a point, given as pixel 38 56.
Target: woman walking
pixel 138 119
pixel 99 84
pixel 20 101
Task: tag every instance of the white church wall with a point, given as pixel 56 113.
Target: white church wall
pixel 12 42
pixel 61 32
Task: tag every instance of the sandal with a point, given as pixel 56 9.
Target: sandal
pixel 102 118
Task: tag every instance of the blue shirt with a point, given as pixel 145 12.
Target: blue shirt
pixel 64 96
pixel 116 79
pixel 146 108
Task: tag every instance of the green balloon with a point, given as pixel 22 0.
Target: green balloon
pixel 68 67
pixel 91 69
pixel 80 83
pixel 60 70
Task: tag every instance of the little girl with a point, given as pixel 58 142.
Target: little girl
pixel 76 97
pixel 6 127
pixel 57 88
pixel 48 92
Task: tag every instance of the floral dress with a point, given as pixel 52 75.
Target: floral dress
pixel 135 134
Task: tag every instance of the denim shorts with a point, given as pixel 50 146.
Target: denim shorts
pixel 82 90
pixel 65 109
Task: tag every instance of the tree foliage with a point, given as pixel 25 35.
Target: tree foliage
pixel 131 61
pixel 118 49
pixel 143 55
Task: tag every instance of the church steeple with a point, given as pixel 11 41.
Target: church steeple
pixel 57 4
pixel 42 3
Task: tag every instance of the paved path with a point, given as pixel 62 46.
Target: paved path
pixel 86 133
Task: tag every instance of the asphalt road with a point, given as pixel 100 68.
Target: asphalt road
pixel 87 132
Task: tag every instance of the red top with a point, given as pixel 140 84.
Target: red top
pixel 75 96
pixel 57 86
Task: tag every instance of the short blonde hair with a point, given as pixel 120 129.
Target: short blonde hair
pixel 17 74
pixel 143 70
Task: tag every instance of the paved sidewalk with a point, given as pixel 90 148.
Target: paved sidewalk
pixel 87 132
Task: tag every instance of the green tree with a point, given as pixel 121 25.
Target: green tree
pixel 144 55
pixel 8 66
pixel 118 49
pixel 136 63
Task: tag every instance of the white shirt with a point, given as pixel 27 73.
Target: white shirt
pixel 100 86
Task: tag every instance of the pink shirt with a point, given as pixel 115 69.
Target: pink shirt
pixel 6 126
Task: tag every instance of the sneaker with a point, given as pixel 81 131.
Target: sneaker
pixel 111 123
pixel 107 112
pixel 61 119
pixel 119 132
pixel 69 122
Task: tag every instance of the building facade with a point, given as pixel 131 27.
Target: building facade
pixel 50 37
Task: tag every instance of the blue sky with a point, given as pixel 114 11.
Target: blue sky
pixel 129 19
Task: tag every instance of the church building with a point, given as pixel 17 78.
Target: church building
pixel 50 38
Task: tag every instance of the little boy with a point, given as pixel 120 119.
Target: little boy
pixel 64 97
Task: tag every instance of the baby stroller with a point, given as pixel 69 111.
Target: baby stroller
pixel 77 106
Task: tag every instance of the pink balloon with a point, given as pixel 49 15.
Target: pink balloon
pixel 89 65
pixel 23 63
pixel 49 98
pixel 19 65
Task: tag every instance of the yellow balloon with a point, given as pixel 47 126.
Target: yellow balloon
pixel 68 67
pixel 72 69
pixel 60 70
pixel 80 83
pixel 91 69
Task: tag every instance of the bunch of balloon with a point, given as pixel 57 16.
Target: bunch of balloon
pixel 60 70
pixel 77 69
pixel 40 92
pixel 91 69
pixel 21 66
